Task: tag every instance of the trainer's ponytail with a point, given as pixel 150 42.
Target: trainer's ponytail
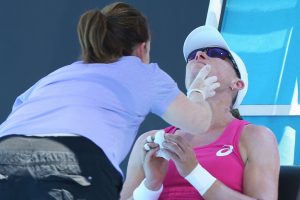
pixel 111 33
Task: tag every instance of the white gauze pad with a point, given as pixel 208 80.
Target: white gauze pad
pixel 159 139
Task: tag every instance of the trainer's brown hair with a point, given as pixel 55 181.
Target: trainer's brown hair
pixel 108 34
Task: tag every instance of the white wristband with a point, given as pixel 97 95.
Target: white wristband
pixel 201 179
pixel 143 193
pixel 189 92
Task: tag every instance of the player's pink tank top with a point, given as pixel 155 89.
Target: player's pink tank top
pixel 221 158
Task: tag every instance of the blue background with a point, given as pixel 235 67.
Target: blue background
pixel 266 35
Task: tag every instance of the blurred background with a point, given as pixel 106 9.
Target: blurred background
pixel 266 35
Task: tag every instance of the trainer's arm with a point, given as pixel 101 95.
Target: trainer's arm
pixel 193 117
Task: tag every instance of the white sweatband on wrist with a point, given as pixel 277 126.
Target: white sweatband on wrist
pixel 143 193
pixel 189 92
pixel 201 179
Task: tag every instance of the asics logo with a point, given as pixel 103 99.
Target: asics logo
pixel 226 150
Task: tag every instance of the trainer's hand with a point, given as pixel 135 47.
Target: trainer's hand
pixel 203 84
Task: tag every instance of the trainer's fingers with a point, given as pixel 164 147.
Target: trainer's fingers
pixel 203 72
pixel 214 86
pixel 211 79
pixel 211 94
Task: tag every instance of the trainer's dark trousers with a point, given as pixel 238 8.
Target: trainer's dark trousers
pixel 55 168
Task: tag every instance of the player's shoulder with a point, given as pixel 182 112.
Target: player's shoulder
pixel 257 135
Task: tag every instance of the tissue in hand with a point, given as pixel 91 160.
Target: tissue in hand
pixel 159 138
